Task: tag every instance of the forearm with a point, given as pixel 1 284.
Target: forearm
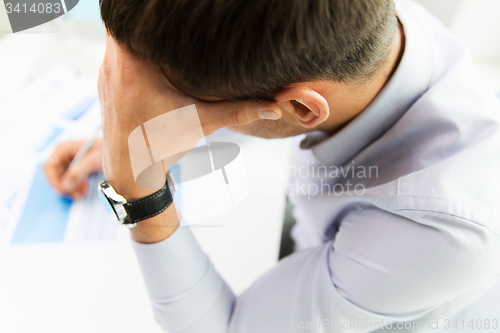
pixel 185 290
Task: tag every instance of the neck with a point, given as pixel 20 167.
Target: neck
pixel 349 101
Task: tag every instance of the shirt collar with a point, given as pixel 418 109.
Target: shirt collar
pixel 410 80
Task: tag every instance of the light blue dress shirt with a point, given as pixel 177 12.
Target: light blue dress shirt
pixel 398 214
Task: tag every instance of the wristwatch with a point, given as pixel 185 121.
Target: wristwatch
pixel 129 213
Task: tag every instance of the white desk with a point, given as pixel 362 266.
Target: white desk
pixel 99 288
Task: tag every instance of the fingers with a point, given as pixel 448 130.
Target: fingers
pixel 58 162
pixel 110 51
pixel 125 64
pixel 214 116
pixel 72 181
pixel 77 175
pixel 78 191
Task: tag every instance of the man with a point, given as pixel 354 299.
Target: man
pixel 378 88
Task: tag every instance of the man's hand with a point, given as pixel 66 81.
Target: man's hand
pixel 73 181
pixel 132 91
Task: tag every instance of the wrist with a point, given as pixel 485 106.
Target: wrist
pixel 150 214
pixel 157 228
pixel 128 189
pixel 118 173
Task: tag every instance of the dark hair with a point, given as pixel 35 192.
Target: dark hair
pixel 250 49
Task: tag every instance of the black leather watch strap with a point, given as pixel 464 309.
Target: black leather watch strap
pixel 147 207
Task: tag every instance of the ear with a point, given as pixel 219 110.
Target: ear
pixel 309 106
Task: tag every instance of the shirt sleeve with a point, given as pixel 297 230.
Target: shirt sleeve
pixel 185 289
pixel 380 268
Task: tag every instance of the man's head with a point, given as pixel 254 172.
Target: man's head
pixel 295 52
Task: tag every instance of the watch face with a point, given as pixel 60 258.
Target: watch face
pixel 116 202
pixel 171 181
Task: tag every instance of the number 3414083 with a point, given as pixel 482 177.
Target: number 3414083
pixel 36 8
pixel 472 324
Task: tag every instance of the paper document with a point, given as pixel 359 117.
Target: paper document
pixel 58 106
